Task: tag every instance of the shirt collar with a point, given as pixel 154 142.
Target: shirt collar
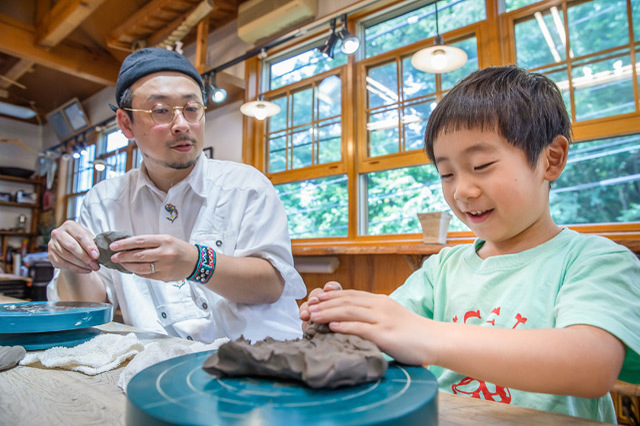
pixel 195 180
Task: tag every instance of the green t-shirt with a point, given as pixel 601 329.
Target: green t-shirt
pixel 570 279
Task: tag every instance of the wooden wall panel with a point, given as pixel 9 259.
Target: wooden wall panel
pixel 378 273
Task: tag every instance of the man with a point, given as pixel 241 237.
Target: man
pixel 210 254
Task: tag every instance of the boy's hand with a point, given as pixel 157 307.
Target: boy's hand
pixel 313 299
pixel 397 331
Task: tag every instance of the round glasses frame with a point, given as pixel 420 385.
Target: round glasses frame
pixel 165 114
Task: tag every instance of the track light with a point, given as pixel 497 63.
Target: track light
pixel 439 58
pixel 350 43
pixel 327 48
pixel 218 94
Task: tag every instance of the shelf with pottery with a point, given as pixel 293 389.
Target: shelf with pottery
pixel 30 234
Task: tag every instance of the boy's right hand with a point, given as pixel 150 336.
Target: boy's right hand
pixel 72 247
pixel 313 299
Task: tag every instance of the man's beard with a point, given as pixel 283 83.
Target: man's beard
pixel 180 166
pixel 185 164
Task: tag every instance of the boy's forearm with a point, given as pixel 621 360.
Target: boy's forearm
pixel 583 361
pixel 80 287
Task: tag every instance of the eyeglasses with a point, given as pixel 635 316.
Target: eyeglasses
pixel 164 114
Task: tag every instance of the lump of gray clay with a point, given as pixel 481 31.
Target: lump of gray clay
pixel 102 241
pixel 324 360
pixel 10 356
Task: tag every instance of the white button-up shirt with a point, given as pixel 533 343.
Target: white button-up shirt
pixel 228 206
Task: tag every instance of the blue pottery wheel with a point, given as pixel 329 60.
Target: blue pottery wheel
pixel 42 325
pixel 179 391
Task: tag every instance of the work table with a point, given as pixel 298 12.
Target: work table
pixel 41 396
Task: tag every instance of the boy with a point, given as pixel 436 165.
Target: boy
pixel 530 314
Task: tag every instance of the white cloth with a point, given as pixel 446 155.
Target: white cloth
pixel 156 352
pixel 228 206
pixel 102 353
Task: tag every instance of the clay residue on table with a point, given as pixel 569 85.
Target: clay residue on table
pixel 319 359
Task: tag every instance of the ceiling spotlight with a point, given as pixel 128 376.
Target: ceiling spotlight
pixel 350 43
pixel 218 94
pixel 327 48
pixel 260 109
pixel 439 58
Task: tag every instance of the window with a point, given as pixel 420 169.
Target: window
pixel 80 181
pixel 600 184
pixel 305 146
pixel 351 166
pixel 587 50
pixel 112 148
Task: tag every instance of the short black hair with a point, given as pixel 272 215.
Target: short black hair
pixel 525 108
pixel 126 101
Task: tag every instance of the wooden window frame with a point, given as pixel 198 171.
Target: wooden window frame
pixel 496 46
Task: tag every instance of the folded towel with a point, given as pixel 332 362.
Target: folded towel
pixel 102 353
pixel 10 355
pixel 156 352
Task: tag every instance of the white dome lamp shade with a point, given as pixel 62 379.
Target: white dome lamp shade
pixel 259 109
pixel 439 58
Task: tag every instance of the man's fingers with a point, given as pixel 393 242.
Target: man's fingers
pixel 69 251
pixel 137 242
pixel 63 264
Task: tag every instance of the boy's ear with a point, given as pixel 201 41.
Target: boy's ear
pixel 124 122
pixel 556 158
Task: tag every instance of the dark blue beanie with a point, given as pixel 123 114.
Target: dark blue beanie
pixel 149 60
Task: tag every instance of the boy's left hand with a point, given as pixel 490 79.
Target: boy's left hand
pixel 397 331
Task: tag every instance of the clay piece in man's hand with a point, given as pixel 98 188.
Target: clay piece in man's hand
pixel 103 241
pixel 326 360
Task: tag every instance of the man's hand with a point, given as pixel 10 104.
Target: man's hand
pixel 71 247
pixel 161 257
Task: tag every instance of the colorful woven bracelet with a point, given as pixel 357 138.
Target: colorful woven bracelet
pixel 205 266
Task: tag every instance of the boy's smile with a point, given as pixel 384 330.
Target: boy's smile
pixel 492 188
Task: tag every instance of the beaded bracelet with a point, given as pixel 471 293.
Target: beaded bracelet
pixel 205 266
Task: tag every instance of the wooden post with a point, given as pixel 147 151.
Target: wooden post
pixel 201 45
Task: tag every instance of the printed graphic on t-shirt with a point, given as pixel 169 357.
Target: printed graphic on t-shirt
pixel 479 388
pixel 173 212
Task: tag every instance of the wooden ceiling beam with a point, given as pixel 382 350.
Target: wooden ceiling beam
pixel 181 26
pixel 63 19
pixel 94 66
pixel 15 72
pixel 137 19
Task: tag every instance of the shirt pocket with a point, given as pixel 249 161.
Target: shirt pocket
pixel 222 242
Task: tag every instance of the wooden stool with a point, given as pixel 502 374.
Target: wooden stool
pixel 626 399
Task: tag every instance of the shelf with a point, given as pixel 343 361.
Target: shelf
pixel 20 180
pixel 17 234
pixel 16 204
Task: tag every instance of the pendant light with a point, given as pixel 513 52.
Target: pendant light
pixel 439 58
pixel 259 109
